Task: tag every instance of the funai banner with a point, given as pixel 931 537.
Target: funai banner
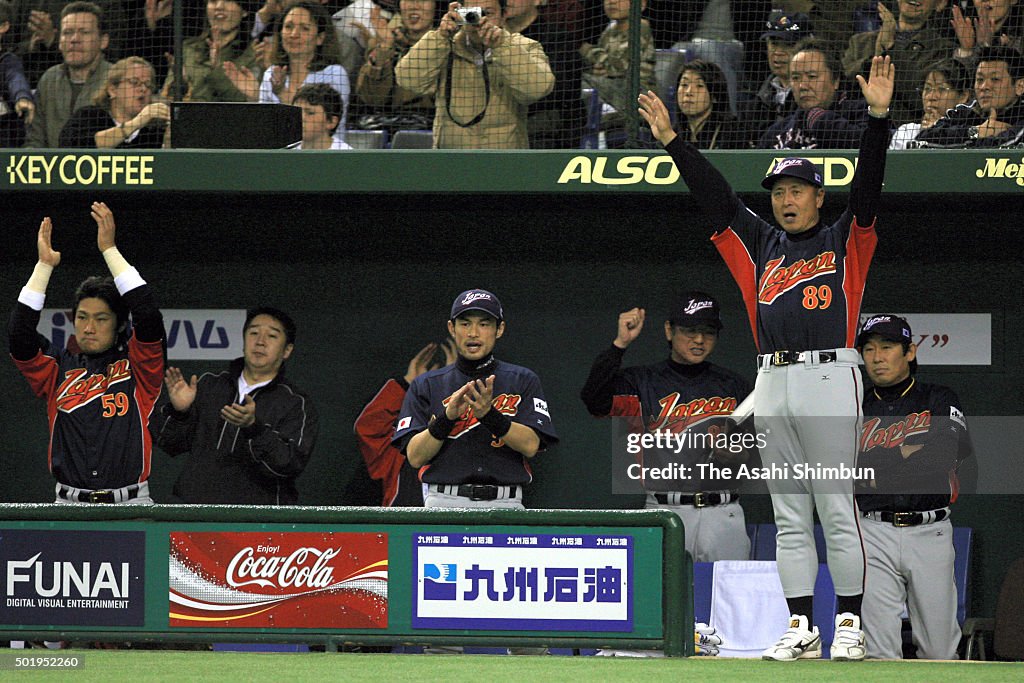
pixel 72 578
pixel 278 580
pixel 523 582
pixel 192 333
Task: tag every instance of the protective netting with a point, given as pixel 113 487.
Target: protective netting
pixel 506 74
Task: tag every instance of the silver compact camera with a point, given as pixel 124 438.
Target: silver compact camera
pixel 470 16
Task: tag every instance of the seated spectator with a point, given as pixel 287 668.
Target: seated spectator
pixel 996 117
pixel 827 116
pixel 219 65
pixel 946 86
pixel 607 63
pixel 35 32
pixel 307 52
pixel 70 86
pixel 358 26
pixel 123 114
pixel 557 120
pixel 995 22
pixel 914 39
pixel 376 83
pixel 703 100
pixel 481 102
pixel 773 101
pixel 16 103
pixel 321 114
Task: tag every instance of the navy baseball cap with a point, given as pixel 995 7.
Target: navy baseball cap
pixel 696 308
pixel 793 167
pixel 889 327
pixel 788 27
pixel 477 300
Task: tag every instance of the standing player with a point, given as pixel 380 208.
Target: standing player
pixel 471 427
pixel 914 438
pixel 683 393
pixel 803 283
pixel 100 390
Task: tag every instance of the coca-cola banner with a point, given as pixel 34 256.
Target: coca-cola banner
pixel 523 582
pixel 278 580
pixel 73 578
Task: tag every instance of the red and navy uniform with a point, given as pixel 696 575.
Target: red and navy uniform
pixel 97 406
pixel 912 413
pixel 666 396
pixel 802 292
pixel 374 428
pixel 471 454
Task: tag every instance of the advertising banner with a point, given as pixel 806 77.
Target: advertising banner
pixel 278 580
pixel 523 582
pixel 73 578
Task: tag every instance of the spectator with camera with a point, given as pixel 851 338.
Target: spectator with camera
pixel 483 78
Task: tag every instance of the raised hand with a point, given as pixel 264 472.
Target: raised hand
pixel 449 352
pixel 421 362
pixel 46 253
pixel 656 115
pixel 105 229
pixel 877 90
pixel 963 28
pixel 458 403
pixel 449 25
pixel 278 77
pixel 984 26
pixel 156 10
pixel 479 395
pixel 630 324
pixel 242 414
pixel 181 393
pixel 40 24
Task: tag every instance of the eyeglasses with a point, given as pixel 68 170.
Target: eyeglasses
pixel 935 90
pixel 136 83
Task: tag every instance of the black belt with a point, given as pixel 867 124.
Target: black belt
pixel 99 496
pixel 476 491
pixel 791 357
pixel 697 500
pixel 902 519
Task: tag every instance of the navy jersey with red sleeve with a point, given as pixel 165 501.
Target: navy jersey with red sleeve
pixel 470 454
pixel 666 396
pixel 802 292
pixel 98 406
pixel 912 414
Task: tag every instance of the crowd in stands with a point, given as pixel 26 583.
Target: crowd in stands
pixel 517 74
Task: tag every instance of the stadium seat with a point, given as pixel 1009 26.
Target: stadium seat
pixel 592 128
pixel 367 139
pixel 412 139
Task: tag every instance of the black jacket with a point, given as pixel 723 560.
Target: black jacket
pixel 252 466
pixel 954 129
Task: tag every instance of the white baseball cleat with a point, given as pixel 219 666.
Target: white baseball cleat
pixel 848 641
pixel 798 642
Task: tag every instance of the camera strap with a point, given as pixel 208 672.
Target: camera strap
pixel 448 100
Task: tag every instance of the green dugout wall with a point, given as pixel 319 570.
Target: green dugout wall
pixel 367 249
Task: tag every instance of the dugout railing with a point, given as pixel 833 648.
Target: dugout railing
pixel 74 573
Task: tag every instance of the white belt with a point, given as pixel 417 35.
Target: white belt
pixel 121 495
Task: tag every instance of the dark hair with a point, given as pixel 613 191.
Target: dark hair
pixel 79 7
pixel 954 72
pixel 1002 53
pixel 328 52
pixel 244 34
pixel 325 96
pixel 98 287
pixel 5 11
pixel 718 90
pixel 275 313
pixel 831 58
